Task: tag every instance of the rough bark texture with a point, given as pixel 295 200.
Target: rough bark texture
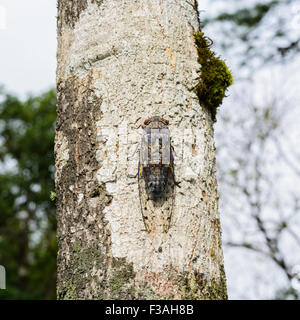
pixel 119 63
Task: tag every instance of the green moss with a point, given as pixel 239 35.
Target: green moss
pixel 78 278
pixel 215 76
pixel 116 280
pixel 121 283
pixel 52 195
pixel 197 287
pixel 70 290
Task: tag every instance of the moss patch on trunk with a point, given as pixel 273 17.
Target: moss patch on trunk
pixel 215 76
pixel 198 287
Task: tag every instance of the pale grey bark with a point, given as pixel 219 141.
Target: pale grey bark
pixel 119 63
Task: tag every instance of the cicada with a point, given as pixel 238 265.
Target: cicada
pixel 156 174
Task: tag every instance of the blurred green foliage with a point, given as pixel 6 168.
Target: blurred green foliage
pixel 287 294
pixel 27 216
pixel 248 17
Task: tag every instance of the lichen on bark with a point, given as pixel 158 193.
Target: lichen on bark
pixel 119 284
pixel 196 286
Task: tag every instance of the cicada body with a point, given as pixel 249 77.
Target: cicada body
pixel 156 173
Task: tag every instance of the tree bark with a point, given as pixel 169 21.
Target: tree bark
pixel 119 63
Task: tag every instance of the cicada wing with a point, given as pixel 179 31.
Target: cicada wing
pixel 168 206
pixel 145 203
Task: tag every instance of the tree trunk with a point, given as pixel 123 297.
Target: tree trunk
pixel 119 63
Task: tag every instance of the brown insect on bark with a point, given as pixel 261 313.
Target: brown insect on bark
pixel 156 174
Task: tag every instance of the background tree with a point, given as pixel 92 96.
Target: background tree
pixel 259 169
pixel 27 216
pixel 256 139
pixel 261 32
